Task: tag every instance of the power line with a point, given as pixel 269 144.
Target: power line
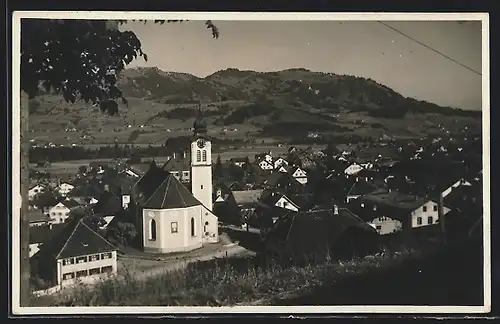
pixel 430 48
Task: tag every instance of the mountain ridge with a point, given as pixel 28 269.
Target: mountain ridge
pixel 291 102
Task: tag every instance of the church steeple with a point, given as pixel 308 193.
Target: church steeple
pixel 199 125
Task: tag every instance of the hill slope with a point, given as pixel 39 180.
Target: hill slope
pixel 261 104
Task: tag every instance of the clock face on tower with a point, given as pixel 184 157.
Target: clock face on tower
pixel 201 143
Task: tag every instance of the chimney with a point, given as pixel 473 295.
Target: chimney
pixel 173 155
pixel 335 209
pixel 106 187
pixel 184 155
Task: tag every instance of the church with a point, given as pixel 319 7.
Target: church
pixel 170 218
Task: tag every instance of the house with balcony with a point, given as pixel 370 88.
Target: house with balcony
pixel 390 212
pixel 75 253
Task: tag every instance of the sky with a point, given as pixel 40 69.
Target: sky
pixel 361 48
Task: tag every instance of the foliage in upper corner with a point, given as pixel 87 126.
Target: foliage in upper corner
pixel 80 59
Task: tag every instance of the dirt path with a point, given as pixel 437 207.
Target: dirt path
pixel 173 265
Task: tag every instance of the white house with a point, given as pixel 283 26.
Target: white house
pixel 35 190
pixel 391 211
pixel 353 169
pixel 266 165
pixel 287 203
pixel 75 253
pixel 280 162
pixel 282 169
pixel 64 188
pixel 60 212
pixel 299 174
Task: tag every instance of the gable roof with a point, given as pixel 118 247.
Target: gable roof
pixel 361 188
pixel 312 232
pixel 177 164
pixel 171 194
pixel 40 234
pixel 108 204
pixel 86 190
pixel 396 200
pixel 75 239
pixel 148 183
pixel 247 196
pixel 70 203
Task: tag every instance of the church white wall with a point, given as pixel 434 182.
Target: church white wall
pixel 167 240
pixel 210 224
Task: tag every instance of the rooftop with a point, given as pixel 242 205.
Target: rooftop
pixel 171 194
pixel 396 199
pixel 74 239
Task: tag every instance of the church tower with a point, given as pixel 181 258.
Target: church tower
pixel 201 163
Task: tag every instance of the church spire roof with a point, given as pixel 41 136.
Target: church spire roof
pixel 199 125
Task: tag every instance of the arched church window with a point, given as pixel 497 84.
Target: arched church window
pixel 152 230
pixel 204 156
pixel 205 228
pixel 198 156
pixel 192 226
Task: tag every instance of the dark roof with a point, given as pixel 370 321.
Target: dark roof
pixel 148 183
pixel 108 204
pixel 36 215
pixel 177 164
pixel 75 239
pixel 228 211
pixel 171 194
pixel 86 190
pixel 311 232
pixel 361 188
pixel 70 203
pixel 277 178
pixel 396 200
pixel 40 234
pixel 238 159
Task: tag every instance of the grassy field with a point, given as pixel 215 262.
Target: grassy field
pixel 223 282
pixel 71 167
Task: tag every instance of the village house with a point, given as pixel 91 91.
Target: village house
pixel 283 182
pixel 290 202
pixel 389 212
pixel 320 234
pixel 458 183
pixel 179 166
pixel 264 157
pixel 359 188
pixel 64 188
pixel 75 253
pixel 60 212
pixel 266 165
pixel 280 162
pixel 238 161
pixel 35 190
pixel 247 200
pixel 298 174
pixel 40 234
pixel 353 169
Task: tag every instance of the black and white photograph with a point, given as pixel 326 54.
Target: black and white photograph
pixel 203 162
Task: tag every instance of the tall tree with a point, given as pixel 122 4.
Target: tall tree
pixel 82 60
